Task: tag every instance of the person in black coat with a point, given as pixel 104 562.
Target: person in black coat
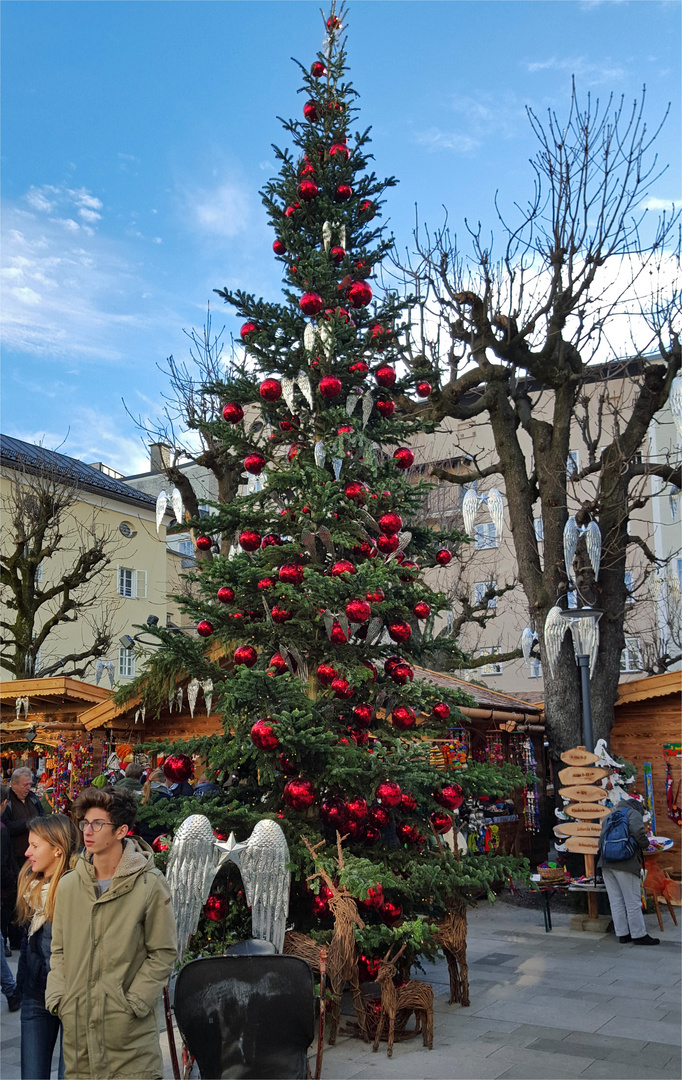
pixel 23 805
pixel 9 873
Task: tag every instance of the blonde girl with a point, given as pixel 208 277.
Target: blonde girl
pixel 52 845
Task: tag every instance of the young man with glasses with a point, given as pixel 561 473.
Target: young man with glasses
pixel 113 945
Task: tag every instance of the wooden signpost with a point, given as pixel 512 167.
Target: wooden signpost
pixel 583 787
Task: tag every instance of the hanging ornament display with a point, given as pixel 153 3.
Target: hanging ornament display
pixel 249 540
pixel 310 303
pixel 310 111
pixel 247 330
pixel 424 389
pixel 388 793
pixel 233 413
pixel 359 294
pixel 192 694
pixel 344 192
pixel 215 908
pixel 263 734
pixel 204 543
pixel 299 794
pixel 279 247
pixel 386 377
pixel 421 609
pixel 330 387
pixel 245 654
pixel 225 594
pixel 254 463
pixel 204 628
pixel 403 457
pixel 271 390
pixel 443 557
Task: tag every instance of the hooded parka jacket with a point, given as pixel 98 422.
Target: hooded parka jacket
pixel 111 957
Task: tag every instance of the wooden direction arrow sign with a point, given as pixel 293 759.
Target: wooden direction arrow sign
pixel 577 828
pixel 579 756
pixel 583 793
pixel 587 810
pixel 584 845
pixel 582 776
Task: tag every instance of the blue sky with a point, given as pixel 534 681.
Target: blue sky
pixel 136 136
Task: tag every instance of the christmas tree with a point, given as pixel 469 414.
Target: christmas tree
pixel 318 589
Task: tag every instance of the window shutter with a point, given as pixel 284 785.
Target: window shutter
pixel 120 588
pixel 141 584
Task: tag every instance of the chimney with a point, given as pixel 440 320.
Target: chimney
pixel 159 456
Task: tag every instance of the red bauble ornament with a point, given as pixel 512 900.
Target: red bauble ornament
pixel 359 294
pixel 326 674
pixel 308 190
pixel 408 834
pixel 293 450
pixel 160 844
pixel 344 429
pixel 289 212
pixel 355 491
pixel 280 615
pixel 204 628
pixel 379 816
pixel 245 654
pixel 386 377
pixel 385 407
pixel 390 523
pixel 291 574
pixel 368 967
pixel 403 717
pixel 333 813
pixel 357 809
pixel 344 192
pixel 339 150
pixel 441 711
pixel 320 907
pixel 363 550
pixel 249 540
pixel 310 111
pixel 266 583
pixel 403 457
pixel 233 413
pixel 363 715
pixel 387 544
pixel 391 913
pixel 247 328
pixel 407 564
pixel 204 543
pixel 440 822
pixel 424 389
pixel 338 635
pixel 317 69
pixel 421 609
pixel 342 566
pixel 279 247
pixel 226 594
pixel 358 611
pixel 271 390
pixel 263 734
pixel 378 336
pixel 388 793
pixel 402 673
pixel 177 767
pixel 278 663
pixel 368 208
pixel 271 540
pixel 337 255
pixel 408 803
pixel 443 557
pixel 329 386
pixel 341 687
pixel 391 663
pixel 299 794
pixel 376 597
pixel 450 796
pixel 374 899
pixel 372 836
pixel 253 463
pixel 215 908
pixel 310 303
pixel 400 631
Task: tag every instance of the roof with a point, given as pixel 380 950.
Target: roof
pixel 55 696
pixel 38 459
pixel 653 686
pixel 483 697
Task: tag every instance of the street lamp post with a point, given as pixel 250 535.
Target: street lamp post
pixel 583 624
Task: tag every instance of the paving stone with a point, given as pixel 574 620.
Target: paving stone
pixel 572 1015
pixel 673 1017
pixel 527 1033
pixel 538 1063
pixel 612 1042
pixel 563 1046
pixel 624 988
pixel 650 1030
pixel 647 1058
pixel 644 1010
pixel 618 1070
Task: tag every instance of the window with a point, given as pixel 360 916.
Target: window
pixel 535 671
pixel 630 587
pixel 126 663
pixel 572 463
pixel 490 669
pixel 485 536
pixel 539 528
pixel 631 656
pixel 480 589
pixel 39 572
pixel 126 529
pixel 573 598
pixel 131 584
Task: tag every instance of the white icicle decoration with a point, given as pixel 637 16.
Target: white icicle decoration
pixel 326 235
pixel 192 695
pixel 326 339
pixel 351 402
pixel 309 338
pixel 178 698
pixel 305 387
pixel 320 454
pixel 337 463
pixel 342 236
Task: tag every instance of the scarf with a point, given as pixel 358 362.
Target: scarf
pixel 36 898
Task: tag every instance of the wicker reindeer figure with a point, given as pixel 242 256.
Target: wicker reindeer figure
pixel 452 938
pixel 416 997
pixel 342 953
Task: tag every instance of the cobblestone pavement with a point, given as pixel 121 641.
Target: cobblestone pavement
pixel 555 1006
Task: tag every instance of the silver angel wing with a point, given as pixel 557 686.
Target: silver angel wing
pixel 263 862
pixel 367 406
pixel 176 503
pixel 309 338
pixel 655 586
pixel 326 538
pixel 351 402
pixel 328 617
pixel 675 400
pixel 98 671
pixel 337 463
pixel 305 387
pixel 308 540
pixel 342 236
pixel 326 339
pixel 326 235
pixel 527 638
pixel 320 454
pixel 288 392
pixel 571 534
pixel 374 628
pixel 553 634
pixel 469 508
pixel 593 542
pixel 496 511
pixel 192 866
pixel 161 506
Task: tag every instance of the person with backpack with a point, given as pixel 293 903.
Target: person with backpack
pixel 622 843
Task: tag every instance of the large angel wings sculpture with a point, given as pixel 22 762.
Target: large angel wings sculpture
pixel 195 859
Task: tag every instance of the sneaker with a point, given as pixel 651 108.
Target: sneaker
pixel 624 940
pixel 646 940
pixel 14 1001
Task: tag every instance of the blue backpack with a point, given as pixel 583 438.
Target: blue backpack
pixel 616 844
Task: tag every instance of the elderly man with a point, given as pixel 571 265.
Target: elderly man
pixel 22 806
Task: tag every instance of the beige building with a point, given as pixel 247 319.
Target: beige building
pixel 130 588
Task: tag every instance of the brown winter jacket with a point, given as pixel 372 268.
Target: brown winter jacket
pixel 111 957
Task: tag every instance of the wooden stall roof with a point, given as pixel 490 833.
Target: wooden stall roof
pixel 57 694
pixel 653 686
pixel 486 701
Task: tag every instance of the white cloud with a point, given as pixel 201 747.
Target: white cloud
pixel 37 199
pixel 89 215
pixel 221 212
pixel 93 435
pixel 435 139
pixel 587 71
pixel 654 203
pixel 26 295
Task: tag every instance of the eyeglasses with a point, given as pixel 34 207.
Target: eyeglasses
pixel 95 826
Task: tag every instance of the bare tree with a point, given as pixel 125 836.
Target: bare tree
pixel 529 344
pixel 51 571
